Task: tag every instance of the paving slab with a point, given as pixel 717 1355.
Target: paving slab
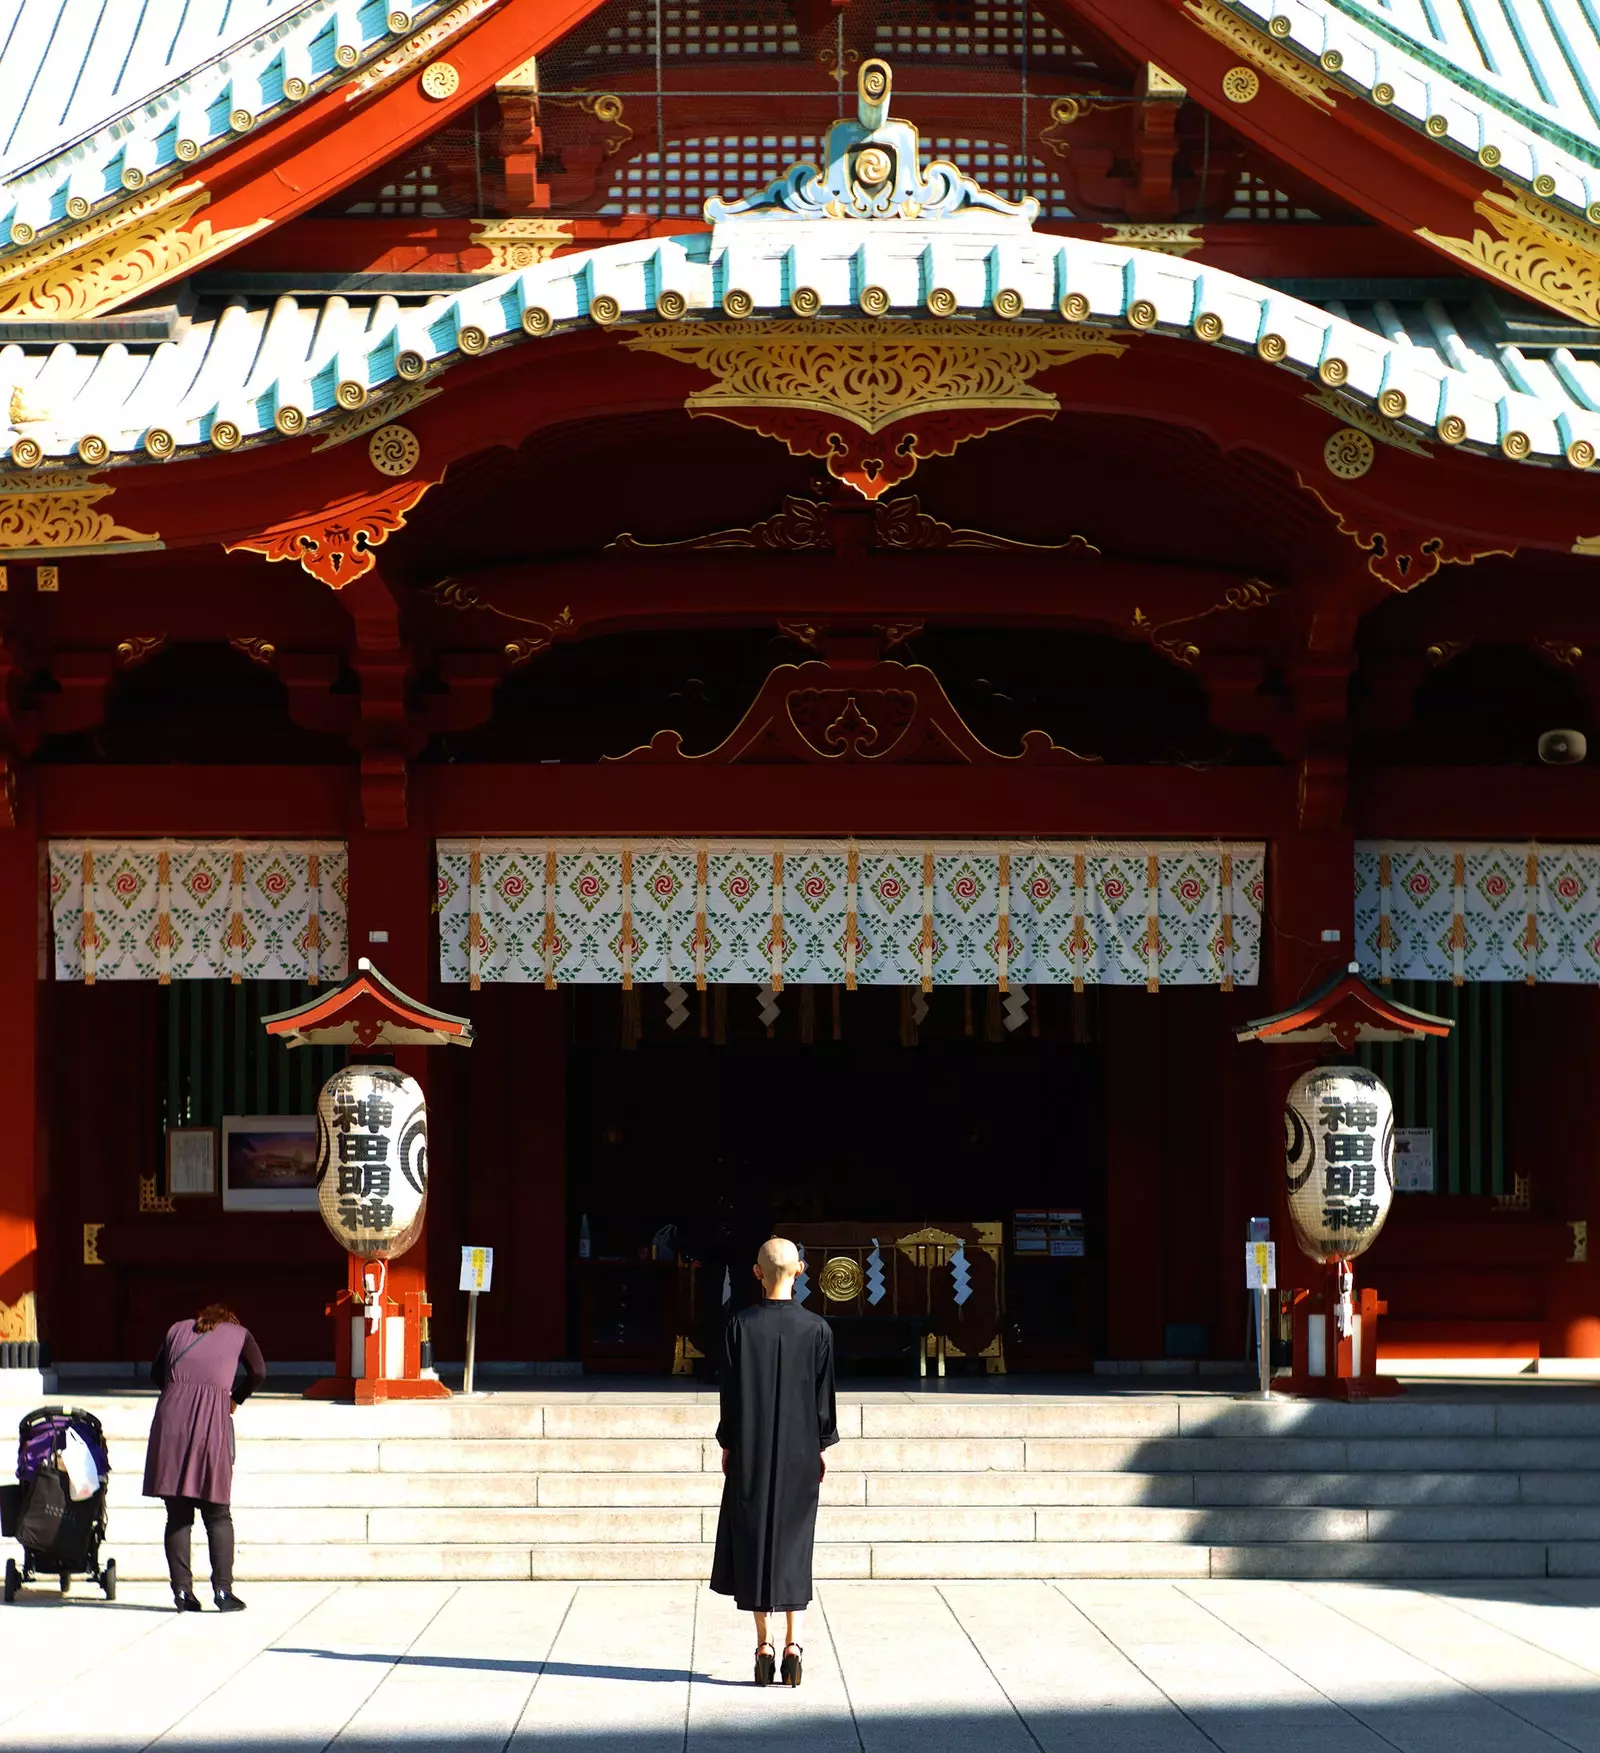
pixel 1241 1697
pixel 1555 1695
pixel 903 1667
pixel 1387 1686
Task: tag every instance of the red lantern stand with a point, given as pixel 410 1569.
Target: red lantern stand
pixel 377 1338
pixel 1336 1331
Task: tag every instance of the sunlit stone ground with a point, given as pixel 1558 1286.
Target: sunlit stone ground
pixel 1013 1667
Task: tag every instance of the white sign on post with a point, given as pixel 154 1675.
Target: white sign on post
pixel 1413 1159
pixel 477 1268
pixel 1261 1265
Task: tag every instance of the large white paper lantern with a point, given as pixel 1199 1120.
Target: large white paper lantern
pixel 372 1159
pixel 1338 1136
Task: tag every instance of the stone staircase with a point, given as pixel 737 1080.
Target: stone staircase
pixel 1497 1484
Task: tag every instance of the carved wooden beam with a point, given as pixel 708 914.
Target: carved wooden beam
pixel 881 713
pixel 336 543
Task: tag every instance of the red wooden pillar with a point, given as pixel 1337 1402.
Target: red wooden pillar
pixel 1135 1305
pixel 1565 1168
pixel 391 894
pixel 538 1201
pixel 20 951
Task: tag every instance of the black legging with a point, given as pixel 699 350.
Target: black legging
pixel 219 1537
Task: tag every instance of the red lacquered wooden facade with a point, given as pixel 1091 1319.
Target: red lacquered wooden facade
pixel 479 665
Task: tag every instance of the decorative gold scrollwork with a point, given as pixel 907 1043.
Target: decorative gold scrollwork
pixel 1538 250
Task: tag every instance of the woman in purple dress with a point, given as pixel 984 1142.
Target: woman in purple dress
pixel 189 1461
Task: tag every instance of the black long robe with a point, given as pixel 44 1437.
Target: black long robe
pixel 777 1418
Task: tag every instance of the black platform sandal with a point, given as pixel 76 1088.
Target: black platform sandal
pixel 792 1667
pixel 766 1665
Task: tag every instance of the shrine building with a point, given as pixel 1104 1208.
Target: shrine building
pixel 858 586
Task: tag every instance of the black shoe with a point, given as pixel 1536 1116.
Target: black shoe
pixel 766 1664
pixel 186 1603
pixel 792 1671
pixel 228 1602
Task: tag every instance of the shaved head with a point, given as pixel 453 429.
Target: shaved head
pixel 778 1262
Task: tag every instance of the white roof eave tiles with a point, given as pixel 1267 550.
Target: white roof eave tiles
pixel 1512 84
pixel 98 102
pixel 252 375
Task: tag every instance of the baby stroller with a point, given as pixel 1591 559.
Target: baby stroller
pixel 60 1537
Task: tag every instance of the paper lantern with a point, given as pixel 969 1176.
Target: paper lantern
pixel 372 1159
pixel 1338 1135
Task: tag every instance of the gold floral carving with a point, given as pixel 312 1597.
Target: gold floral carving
pixel 606 107
pixel 1537 249
pixel 1403 558
pixel 257 649
pixel 1165 240
pixel 871 373
pixel 1253 593
pixel 1378 426
pixel 19 1321
pixel 807 525
pixel 101 263
pixel 91 1244
pixel 336 544
pixel 132 651
pixel 455 593
pixel 1277 62
pixel 375 414
pixel 885 714
pixel 58 515
pixel 1561 651
pixel 394 66
pixel 520 242
pixel 1589 545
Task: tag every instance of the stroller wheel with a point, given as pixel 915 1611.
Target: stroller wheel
pixel 13 1580
pixel 66 1582
pixel 108 1579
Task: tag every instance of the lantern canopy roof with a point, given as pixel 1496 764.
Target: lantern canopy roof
pixel 1347 1010
pixel 368 1011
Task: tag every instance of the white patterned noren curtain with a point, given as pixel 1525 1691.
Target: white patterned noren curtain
pixel 199 909
pixel 877 913
pixel 1519 911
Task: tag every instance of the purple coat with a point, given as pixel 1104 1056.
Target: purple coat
pixel 190 1453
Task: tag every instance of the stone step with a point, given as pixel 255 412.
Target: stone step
pixel 921 1559
pixel 894 1524
pixel 560 1490
pixel 992 1417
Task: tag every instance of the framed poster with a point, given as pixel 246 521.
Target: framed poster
pixel 1413 1159
pixel 1047 1235
pixel 191 1161
pixel 269 1162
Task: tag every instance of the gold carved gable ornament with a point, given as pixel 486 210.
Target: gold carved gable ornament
pixel 869 397
pixel 105 260
pixel 56 513
pixel 1535 249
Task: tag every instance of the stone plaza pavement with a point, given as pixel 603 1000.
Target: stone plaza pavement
pixel 984 1667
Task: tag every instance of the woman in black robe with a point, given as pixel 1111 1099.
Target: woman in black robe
pixel 777 1418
